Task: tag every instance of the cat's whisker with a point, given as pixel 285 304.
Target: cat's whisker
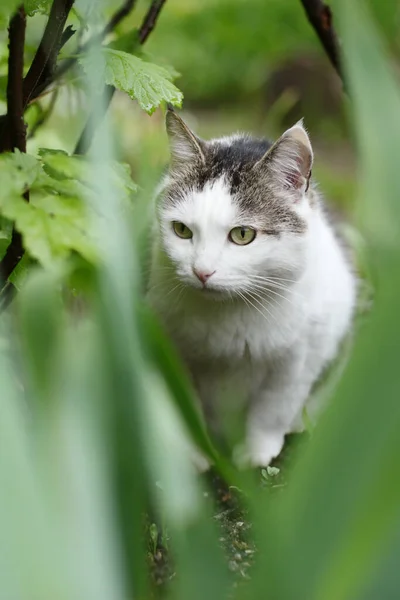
pixel 272 302
pixel 246 299
pixel 159 285
pixel 269 286
pixel 271 291
pixel 273 278
pixel 178 285
pixel 258 285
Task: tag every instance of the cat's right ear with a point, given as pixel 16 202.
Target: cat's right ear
pixel 186 148
pixel 289 161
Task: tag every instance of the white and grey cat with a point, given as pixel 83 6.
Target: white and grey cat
pixel 248 276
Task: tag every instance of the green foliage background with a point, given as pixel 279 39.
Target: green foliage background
pixel 96 410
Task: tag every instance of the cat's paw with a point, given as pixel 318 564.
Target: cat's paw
pixel 264 447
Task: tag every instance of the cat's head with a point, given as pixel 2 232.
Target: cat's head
pixel 234 212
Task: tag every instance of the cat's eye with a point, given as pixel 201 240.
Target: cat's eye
pixel 181 230
pixel 242 235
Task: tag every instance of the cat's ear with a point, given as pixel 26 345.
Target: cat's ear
pixel 186 148
pixel 289 160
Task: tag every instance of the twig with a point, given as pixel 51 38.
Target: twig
pixel 15 106
pixel 150 20
pixel 44 115
pixel 320 16
pixel 145 29
pixel 41 71
pixel 16 128
pixel 123 12
pixel 66 36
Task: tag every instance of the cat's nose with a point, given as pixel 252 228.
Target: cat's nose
pixel 203 276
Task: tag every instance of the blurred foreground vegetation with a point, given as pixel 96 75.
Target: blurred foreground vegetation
pixel 96 411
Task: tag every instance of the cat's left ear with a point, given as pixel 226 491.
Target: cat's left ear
pixel 186 148
pixel 289 160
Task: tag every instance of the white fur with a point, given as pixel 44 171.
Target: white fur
pixel 273 344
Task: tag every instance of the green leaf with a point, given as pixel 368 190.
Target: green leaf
pixel 58 219
pixel 17 172
pixel 52 226
pixel 147 82
pixel 61 166
pixel 37 6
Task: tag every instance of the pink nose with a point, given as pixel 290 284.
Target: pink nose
pixel 202 275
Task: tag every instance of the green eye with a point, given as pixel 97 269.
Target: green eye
pixel 242 235
pixel 181 230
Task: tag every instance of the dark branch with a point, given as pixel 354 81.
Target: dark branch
pixel 320 16
pixel 15 125
pixel 123 12
pixel 15 105
pixel 43 65
pixel 145 29
pixel 150 20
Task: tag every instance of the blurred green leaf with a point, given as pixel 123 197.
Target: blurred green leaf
pixel 37 6
pixel 150 84
pixel 7 8
pixel 40 312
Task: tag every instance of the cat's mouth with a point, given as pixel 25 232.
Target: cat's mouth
pixel 206 290
pixel 211 292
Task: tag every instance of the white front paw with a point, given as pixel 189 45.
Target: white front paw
pixel 263 447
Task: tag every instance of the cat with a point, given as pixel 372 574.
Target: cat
pixel 248 276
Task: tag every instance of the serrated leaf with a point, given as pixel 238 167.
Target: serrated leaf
pixel 63 199
pixel 37 6
pixel 147 82
pixel 51 227
pixel 72 174
pixel 17 172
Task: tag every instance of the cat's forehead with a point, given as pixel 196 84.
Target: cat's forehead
pixel 210 204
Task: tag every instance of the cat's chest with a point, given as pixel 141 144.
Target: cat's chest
pixel 230 334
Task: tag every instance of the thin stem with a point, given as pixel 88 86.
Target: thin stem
pixel 15 106
pixel 15 125
pixel 320 16
pixel 41 71
pixel 150 20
